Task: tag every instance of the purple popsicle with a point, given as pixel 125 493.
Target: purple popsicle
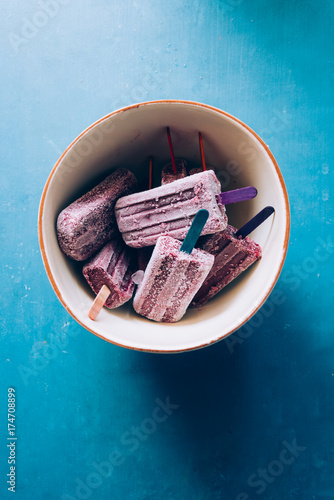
pixel 170 209
pixel 174 274
pixel 112 266
pixel 234 252
pixel 89 222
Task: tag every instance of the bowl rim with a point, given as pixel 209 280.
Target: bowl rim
pixel 127 108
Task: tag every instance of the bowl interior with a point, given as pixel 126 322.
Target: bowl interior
pixel 127 138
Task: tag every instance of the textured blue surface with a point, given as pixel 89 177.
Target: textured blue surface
pixel 255 412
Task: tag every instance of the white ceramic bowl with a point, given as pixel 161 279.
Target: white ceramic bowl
pixel 126 138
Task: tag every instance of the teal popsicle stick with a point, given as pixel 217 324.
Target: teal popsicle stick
pixel 194 231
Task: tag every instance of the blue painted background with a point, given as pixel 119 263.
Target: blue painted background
pixel 250 417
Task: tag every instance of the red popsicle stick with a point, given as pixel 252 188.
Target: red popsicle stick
pixel 99 302
pixel 202 151
pixel 171 150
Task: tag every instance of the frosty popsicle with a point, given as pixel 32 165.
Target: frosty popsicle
pixel 234 252
pixel 170 209
pixel 174 274
pixel 112 267
pixel 89 222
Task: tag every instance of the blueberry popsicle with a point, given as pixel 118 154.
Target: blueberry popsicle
pixel 174 274
pixel 112 267
pixel 234 252
pixel 89 222
pixel 170 209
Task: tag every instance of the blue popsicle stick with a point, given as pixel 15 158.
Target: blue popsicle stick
pixel 194 231
pixel 254 222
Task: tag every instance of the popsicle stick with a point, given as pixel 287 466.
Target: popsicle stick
pixel 99 302
pixel 242 194
pixel 194 231
pixel 171 150
pixel 202 151
pixel 254 222
pixel 150 173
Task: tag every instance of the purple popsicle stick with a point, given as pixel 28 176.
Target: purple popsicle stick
pixel 254 222
pixel 246 193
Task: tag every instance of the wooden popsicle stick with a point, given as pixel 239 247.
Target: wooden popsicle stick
pixel 99 302
pixel 202 151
